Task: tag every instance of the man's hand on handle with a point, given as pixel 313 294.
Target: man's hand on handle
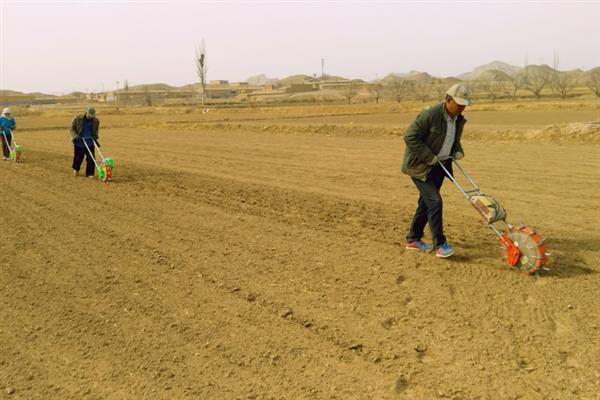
pixel 434 160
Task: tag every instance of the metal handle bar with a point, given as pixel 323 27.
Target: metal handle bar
pixel 90 152
pixel 98 148
pixel 12 134
pixel 465 192
pixel 11 145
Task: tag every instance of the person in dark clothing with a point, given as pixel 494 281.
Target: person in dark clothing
pixel 84 127
pixel 432 138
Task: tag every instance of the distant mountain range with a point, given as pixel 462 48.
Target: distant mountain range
pixel 510 70
pixel 493 71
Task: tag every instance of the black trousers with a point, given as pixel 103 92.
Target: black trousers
pixel 78 156
pixel 430 206
pixel 5 149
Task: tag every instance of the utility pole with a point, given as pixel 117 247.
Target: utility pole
pixel 322 68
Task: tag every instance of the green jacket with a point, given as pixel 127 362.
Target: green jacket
pixel 424 139
pixel 77 127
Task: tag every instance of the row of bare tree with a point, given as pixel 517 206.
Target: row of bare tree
pixel 494 85
pixel 536 81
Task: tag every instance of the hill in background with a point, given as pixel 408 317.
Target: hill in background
pixel 261 79
pixel 510 70
pixel 496 71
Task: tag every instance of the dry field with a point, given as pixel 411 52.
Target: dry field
pixel 257 253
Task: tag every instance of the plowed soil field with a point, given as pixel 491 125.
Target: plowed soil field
pixel 259 254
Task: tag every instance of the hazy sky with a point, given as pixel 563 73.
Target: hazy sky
pixel 63 46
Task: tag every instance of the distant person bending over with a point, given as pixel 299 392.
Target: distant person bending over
pixel 7 124
pixel 433 136
pixel 84 127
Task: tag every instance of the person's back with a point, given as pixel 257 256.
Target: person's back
pixel 7 122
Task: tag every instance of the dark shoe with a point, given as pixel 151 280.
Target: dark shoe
pixel 418 245
pixel 444 251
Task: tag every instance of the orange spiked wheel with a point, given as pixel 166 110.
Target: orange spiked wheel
pixel 531 248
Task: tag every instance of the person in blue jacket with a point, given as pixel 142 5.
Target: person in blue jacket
pixel 7 124
pixel 85 127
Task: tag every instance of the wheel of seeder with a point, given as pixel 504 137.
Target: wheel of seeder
pixel 105 173
pixel 15 154
pixel 529 253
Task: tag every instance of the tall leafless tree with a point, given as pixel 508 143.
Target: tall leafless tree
pixel 516 84
pixel 562 82
pixel 440 89
pixel 593 81
pixel 378 91
pixel 400 90
pixel 491 88
pixel 536 79
pixel 201 69
pixel 421 89
pixel 147 96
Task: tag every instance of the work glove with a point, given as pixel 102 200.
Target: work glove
pixel 434 160
pixel 97 143
pixel 458 155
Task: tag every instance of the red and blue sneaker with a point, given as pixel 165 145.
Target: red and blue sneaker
pixel 444 250
pixel 418 245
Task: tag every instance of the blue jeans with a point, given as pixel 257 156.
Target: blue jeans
pixel 430 206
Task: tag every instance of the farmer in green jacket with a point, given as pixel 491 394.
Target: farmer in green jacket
pixel 431 139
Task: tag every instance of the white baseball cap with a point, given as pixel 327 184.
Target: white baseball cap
pixel 460 94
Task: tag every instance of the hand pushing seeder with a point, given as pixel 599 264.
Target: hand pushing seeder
pixel 104 167
pixel 522 246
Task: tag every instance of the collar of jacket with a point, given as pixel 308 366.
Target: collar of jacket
pixel 459 117
pixel 83 117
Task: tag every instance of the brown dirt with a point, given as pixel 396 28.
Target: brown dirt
pixel 265 260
